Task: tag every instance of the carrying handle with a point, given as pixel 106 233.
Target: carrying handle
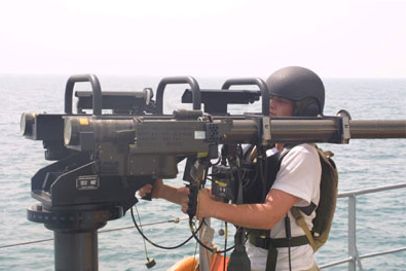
pixel 252 81
pixel 196 96
pixel 96 90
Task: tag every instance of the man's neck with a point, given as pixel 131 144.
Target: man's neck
pixel 279 146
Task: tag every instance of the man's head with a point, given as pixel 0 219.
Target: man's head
pixel 295 91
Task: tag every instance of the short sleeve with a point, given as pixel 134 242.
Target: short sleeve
pixel 300 174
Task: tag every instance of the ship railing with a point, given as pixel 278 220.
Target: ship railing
pixel 354 258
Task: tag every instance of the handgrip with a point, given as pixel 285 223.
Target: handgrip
pixel 196 97
pixel 192 205
pixel 252 81
pixel 96 90
pixel 148 196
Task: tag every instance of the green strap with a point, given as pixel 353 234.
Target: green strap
pixel 302 224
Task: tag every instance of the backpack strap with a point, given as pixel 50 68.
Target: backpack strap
pixel 302 223
pixel 296 211
pixel 299 218
pixel 307 210
pixel 329 178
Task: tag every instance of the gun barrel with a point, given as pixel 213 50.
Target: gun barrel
pixel 317 130
pixel 151 135
pixel 378 128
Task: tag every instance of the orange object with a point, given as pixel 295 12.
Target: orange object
pixel 186 264
pixel 217 262
pixel 192 264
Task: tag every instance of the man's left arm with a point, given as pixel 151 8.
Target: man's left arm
pixel 258 216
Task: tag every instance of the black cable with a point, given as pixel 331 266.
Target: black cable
pixel 154 244
pixel 150 261
pixel 290 259
pixel 145 244
pixel 225 245
pixel 216 163
pixel 201 243
pixel 289 237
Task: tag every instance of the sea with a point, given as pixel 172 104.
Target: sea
pixel 362 164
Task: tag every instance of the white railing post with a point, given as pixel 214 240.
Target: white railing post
pixel 354 258
pixel 352 234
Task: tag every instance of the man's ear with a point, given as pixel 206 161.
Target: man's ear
pixel 308 107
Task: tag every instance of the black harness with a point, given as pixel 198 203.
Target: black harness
pixel 260 238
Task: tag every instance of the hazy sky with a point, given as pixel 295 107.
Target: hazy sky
pixel 338 38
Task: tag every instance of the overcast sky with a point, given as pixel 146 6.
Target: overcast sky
pixel 337 38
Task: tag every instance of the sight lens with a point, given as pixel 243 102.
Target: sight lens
pixel 26 123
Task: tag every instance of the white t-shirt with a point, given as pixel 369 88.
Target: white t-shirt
pixel 299 175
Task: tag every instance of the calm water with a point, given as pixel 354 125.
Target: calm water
pixel 362 164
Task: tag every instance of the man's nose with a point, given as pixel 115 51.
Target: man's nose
pixel 272 105
pixel 272 108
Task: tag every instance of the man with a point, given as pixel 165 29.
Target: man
pixel 294 91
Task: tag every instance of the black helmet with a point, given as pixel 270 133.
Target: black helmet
pixel 300 85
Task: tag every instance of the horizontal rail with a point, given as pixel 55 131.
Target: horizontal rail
pixel 371 190
pixel 349 259
pixel 174 220
pixel 346 260
pixel 389 251
pixel 356 257
pixel 360 257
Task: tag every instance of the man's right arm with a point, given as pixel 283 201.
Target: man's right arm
pixel 162 191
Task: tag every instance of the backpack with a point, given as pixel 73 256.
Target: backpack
pixel 325 210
